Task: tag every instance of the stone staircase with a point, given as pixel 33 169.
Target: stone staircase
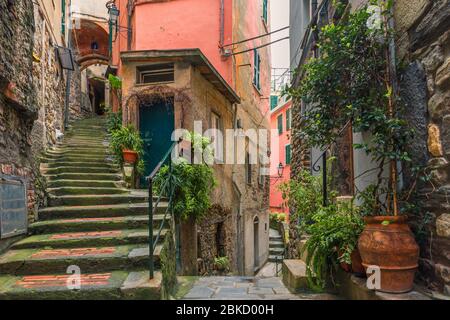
pixel 276 247
pixel 92 222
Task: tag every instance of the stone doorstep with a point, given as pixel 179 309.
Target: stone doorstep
pixel 354 288
pixel 109 285
pixel 294 275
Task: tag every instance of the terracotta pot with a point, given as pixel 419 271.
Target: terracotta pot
pixel 129 156
pixel 356 266
pixel 393 249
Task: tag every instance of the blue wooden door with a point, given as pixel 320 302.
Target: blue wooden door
pixel 156 126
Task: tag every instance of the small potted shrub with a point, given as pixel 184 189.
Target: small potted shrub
pixel 222 264
pixel 127 144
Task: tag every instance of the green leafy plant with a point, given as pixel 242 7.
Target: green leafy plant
pixel 127 138
pixel 113 120
pixel 115 82
pixel 351 82
pixel 333 236
pixel 222 263
pixel 192 185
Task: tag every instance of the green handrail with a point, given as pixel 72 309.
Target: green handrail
pixel 152 207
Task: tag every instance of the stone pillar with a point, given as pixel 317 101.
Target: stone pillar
pixel 188 247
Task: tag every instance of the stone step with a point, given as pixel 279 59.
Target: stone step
pixel 82 239
pixel 276 244
pixel 80 164
pixel 45 261
pixel 85 176
pixel 65 191
pixel 115 285
pixel 101 149
pixel 83 153
pixel 90 200
pixel 275 258
pixel 94 224
pixel 74 159
pixel 276 251
pixel 275 238
pixel 77 157
pixel 98 211
pixel 85 183
pixel 58 170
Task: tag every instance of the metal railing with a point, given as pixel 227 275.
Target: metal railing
pixel 153 205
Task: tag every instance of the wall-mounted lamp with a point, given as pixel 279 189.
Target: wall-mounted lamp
pixel 280 170
pixel 114 14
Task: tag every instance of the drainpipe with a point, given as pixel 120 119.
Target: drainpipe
pixel 222 25
pixel 69 72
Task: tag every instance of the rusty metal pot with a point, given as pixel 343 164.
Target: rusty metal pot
pixel 387 242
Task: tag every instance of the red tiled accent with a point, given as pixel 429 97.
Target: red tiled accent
pixel 95 219
pixel 79 235
pixel 30 282
pixel 78 252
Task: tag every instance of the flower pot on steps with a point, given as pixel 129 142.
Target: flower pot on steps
pixel 388 243
pixel 129 156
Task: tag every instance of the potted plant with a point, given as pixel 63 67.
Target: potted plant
pixel 353 82
pixel 127 144
pixel 222 264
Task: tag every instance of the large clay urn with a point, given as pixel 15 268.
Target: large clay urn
pixel 387 242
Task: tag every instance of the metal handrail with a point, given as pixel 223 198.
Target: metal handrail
pixel 152 207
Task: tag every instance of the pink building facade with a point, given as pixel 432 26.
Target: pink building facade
pixel 280 120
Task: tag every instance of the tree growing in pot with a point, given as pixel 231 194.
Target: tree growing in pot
pixel 127 146
pixel 354 81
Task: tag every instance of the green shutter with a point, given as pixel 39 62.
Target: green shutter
pixel 288 154
pixel 63 17
pixel 280 124
pixel 256 69
pixel 265 11
pixel 288 119
pixel 273 102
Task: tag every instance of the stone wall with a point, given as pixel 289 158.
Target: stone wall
pixel 215 237
pixel 18 98
pixel 423 31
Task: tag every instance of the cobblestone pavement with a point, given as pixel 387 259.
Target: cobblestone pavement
pixel 246 288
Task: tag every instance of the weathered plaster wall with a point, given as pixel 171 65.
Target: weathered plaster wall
pixel 423 39
pixel 253 113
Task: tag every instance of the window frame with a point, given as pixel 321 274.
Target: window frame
pixel 280 124
pixel 219 158
pixel 288 159
pixel 256 69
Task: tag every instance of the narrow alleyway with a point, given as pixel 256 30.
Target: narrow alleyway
pixel 93 226
pixel 247 288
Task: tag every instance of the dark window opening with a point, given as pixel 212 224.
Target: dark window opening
pixel 220 240
pixel 156 73
pixel 94 45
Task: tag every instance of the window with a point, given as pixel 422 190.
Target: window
pixel 248 169
pixel 265 11
pixel 217 142
pixel 157 73
pixel 280 124
pixel 288 119
pixel 256 69
pixel 273 102
pixel 63 17
pixel 288 154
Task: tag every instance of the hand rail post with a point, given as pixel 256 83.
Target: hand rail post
pixel 324 176
pixel 150 227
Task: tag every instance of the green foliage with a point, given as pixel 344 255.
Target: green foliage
pixel 192 184
pixel 113 120
pixel 349 82
pixel 277 217
pixel 222 263
pixel 304 197
pixel 333 235
pixel 115 82
pixel 127 138
pixel 168 266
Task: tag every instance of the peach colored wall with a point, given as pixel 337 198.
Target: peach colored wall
pixel 284 139
pixel 179 24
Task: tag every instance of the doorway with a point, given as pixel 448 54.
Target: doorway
pixel 256 243
pixel 156 123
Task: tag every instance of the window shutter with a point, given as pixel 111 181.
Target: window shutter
pixel 288 154
pixel 288 119
pixel 280 124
